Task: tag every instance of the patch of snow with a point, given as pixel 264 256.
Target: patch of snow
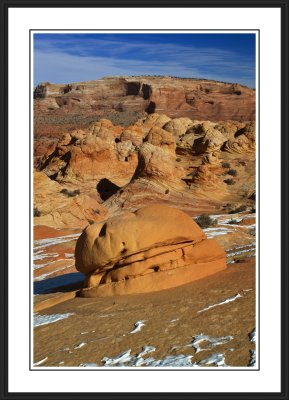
pixel 252 336
pixel 68 255
pixel 246 246
pixel 42 243
pixel 252 362
pixel 212 232
pixel 146 350
pixel 43 276
pixel 229 300
pixel 137 326
pixel 40 362
pixel 118 360
pixel 105 315
pixel 39 320
pixel 65 349
pixel 171 361
pixel 241 252
pixel 80 345
pixel 217 359
pixel 37 266
pixel 232 225
pixel 249 216
pixel 227 221
pixel 126 359
pixel 213 342
pixel 88 365
pixel 39 255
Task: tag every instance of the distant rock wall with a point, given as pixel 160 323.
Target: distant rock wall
pixel 176 97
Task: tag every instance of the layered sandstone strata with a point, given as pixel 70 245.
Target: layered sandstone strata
pixel 154 248
pixel 193 98
pixel 56 206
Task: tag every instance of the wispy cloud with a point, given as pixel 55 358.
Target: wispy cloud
pixel 79 58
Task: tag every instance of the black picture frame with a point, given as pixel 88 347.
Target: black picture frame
pixel 283 5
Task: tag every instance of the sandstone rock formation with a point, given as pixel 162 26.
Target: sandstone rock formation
pixel 244 141
pixel 156 247
pixel 83 158
pixel 176 97
pixel 66 107
pixel 58 207
pixel 128 168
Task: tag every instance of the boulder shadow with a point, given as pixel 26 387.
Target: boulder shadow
pixel 106 188
pixel 62 283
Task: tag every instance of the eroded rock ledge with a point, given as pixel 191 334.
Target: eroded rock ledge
pixel 156 247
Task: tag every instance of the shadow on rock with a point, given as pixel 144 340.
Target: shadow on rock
pixel 106 188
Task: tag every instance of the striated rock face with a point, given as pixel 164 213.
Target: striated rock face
pixel 156 160
pixel 176 97
pixel 54 206
pixel 86 157
pixel 156 247
pixel 244 140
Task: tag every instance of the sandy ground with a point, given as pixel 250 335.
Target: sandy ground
pixel 74 332
pixel 101 327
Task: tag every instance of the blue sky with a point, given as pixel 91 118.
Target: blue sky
pixel 65 57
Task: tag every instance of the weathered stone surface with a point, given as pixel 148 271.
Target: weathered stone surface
pixel 86 157
pixel 156 160
pixel 204 176
pixel 244 141
pixel 154 248
pixel 57 208
pixel 193 98
pixel 161 138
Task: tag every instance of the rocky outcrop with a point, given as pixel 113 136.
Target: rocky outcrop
pixel 176 97
pixel 154 248
pixel 205 177
pixel 56 206
pixel 244 140
pixel 84 158
pixel 139 165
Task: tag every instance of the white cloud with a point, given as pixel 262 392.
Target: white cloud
pixel 72 61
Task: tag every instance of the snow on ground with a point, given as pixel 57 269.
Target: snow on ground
pixel 88 365
pixel 39 320
pixel 40 255
pixel 230 299
pixel 209 341
pixel 146 350
pixel 42 243
pixel 137 326
pixel 213 232
pixel 217 359
pixel 69 255
pixel 44 276
pixel 126 359
pixel 80 345
pixel 252 336
pixel 252 362
pixel 40 362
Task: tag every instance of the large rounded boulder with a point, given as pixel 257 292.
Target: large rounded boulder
pixel 154 248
